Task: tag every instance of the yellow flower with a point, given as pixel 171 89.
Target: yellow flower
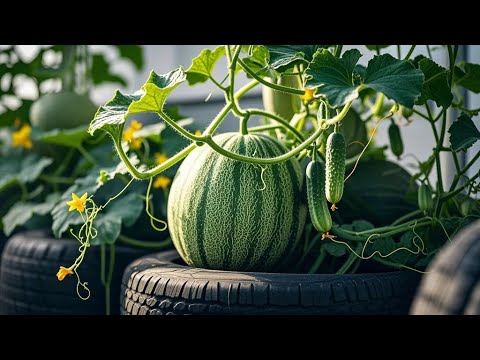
pixel 64 272
pixel 309 94
pixel 135 125
pixel 128 135
pixel 198 133
pixel 160 158
pixel 77 203
pixel 21 138
pixel 161 182
pixel 136 144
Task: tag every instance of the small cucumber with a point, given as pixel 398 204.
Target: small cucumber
pixel 317 204
pixel 396 143
pixel 335 168
pixel 425 199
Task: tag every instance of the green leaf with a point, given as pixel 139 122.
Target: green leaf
pixel 203 65
pixel 435 87
pixel 22 212
pixel 134 53
pixel 463 133
pixel 258 60
pixel 111 116
pixel 396 79
pixel 334 76
pixel 283 57
pixel 333 248
pixel 108 229
pixel 156 90
pixel 128 208
pixel 22 168
pixel 101 71
pixel 376 47
pixel 65 137
pixel 470 79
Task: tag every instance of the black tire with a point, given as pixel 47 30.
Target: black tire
pixel 452 283
pixel 28 282
pixel 156 284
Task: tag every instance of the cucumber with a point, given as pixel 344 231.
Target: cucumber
pixel 317 203
pixel 425 199
pixel 335 168
pixel 396 143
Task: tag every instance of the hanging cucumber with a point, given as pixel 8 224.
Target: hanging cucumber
pixel 396 143
pixel 335 168
pixel 425 199
pixel 317 203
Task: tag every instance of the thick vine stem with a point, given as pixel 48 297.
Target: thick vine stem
pixel 285 89
pixel 278 159
pixel 277 118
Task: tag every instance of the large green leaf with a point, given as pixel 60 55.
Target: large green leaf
pixel 127 208
pixel 22 168
pixel 22 212
pixel 156 90
pixel 257 60
pixel 334 76
pixel 65 137
pixel 396 79
pixel 283 57
pixel 203 65
pixel 463 133
pixel 435 87
pixel 111 116
pixel 470 78
pixel 108 229
pixel 134 53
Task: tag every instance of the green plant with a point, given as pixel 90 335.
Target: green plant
pixel 336 92
pixel 47 154
pixel 333 86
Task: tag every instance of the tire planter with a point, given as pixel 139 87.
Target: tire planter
pixel 452 284
pixel 157 284
pixel 28 282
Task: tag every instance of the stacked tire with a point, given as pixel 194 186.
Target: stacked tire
pixel 28 282
pixel 159 285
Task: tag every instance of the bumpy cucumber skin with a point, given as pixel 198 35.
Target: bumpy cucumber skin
pixel 317 203
pixel 396 142
pixel 425 199
pixel 335 167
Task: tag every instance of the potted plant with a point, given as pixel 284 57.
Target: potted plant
pixel 301 214
pixel 48 155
